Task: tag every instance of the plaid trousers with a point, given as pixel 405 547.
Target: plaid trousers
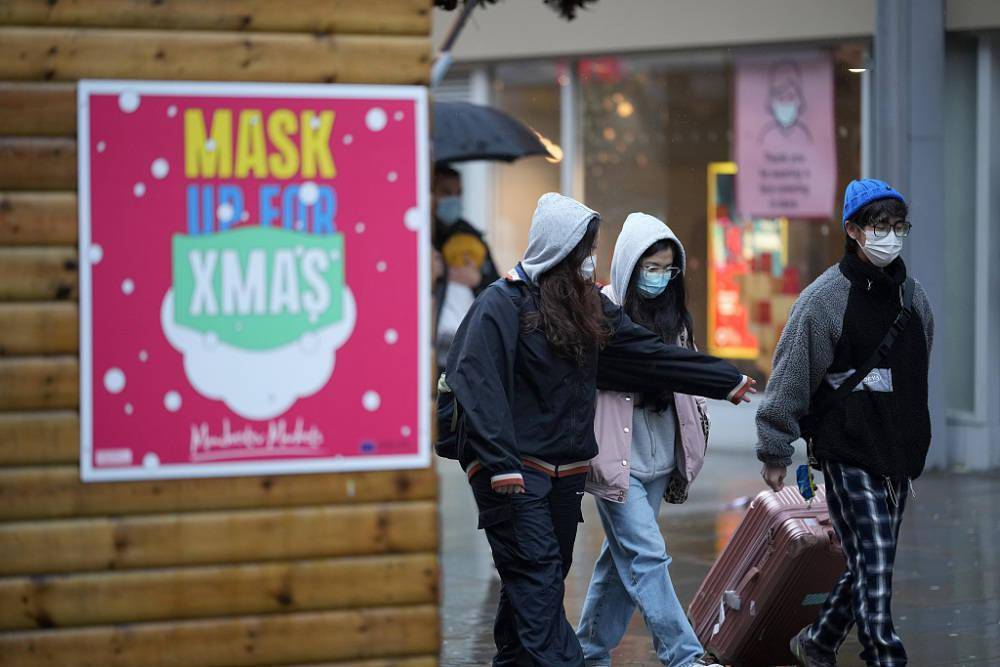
pixel 866 512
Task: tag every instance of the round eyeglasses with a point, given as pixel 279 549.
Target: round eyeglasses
pixel 671 271
pixel 901 229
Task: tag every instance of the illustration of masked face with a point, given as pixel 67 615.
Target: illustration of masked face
pixel 785 112
pixel 785 94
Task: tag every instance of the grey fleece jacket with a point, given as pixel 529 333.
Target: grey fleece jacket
pixel 833 327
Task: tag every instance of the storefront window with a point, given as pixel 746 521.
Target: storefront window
pixel 530 93
pixel 655 131
pixel 651 129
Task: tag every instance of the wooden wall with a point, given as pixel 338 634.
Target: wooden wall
pixel 331 569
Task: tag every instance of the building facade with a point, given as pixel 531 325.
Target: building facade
pixel 636 98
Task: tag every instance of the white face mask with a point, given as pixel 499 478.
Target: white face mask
pixel 588 268
pixel 882 251
pixel 786 113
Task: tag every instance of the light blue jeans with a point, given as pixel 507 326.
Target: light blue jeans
pixel 632 571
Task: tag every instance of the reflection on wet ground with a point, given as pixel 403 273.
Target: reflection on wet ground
pixel 947 580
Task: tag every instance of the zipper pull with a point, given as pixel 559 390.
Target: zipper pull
pixel 890 488
pixel 869 285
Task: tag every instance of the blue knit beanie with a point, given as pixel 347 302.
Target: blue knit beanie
pixel 861 193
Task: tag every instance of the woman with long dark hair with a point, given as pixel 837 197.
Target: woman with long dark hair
pixel 523 371
pixel 652 445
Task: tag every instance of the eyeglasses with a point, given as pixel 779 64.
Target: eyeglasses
pixel 671 271
pixel 901 229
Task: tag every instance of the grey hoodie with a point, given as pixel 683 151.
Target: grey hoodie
pixel 653 433
pixel 558 225
pixel 638 233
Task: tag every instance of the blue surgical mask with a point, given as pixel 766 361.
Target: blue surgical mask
pixel 651 284
pixel 449 209
pixel 588 268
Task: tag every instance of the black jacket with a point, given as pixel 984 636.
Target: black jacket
pixel 884 428
pixel 519 398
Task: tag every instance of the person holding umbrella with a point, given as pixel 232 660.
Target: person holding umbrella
pixel 463 264
pixel 524 370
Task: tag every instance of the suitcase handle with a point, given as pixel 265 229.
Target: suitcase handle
pixel 734 598
pixel 748 579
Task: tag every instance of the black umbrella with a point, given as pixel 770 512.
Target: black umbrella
pixel 464 132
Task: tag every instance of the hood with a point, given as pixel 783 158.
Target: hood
pixel 558 225
pixel 638 233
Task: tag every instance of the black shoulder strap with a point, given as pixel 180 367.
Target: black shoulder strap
pixel 877 357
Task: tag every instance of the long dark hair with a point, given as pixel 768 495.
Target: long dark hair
pixel 665 315
pixel 569 306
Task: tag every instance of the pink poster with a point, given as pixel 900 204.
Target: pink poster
pixel 785 146
pixel 253 279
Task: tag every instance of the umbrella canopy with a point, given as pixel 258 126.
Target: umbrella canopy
pixel 464 132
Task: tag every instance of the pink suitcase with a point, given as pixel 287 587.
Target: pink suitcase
pixel 770 581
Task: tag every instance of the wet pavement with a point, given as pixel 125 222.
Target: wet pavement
pixel 947 578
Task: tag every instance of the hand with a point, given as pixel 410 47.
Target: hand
pixel 744 394
pixel 437 266
pixel 774 476
pixel 509 489
pixel 469 274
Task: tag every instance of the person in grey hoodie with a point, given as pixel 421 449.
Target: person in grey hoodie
pixel 652 445
pixel 524 368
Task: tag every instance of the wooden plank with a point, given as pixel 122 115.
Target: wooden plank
pixel 37 218
pixel 66 54
pixel 59 601
pixel 38 274
pixel 56 491
pixel 38 383
pixel 403 17
pixel 203 538
pixel 419 661
pixel 38 328
pixel 36 163
pixel 37 109
pixel 277 639
pixel 28 438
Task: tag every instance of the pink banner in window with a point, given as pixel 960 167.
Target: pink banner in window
pixel 785 144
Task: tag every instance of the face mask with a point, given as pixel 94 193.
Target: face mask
pixel 449 209
pixel 882 251
pixel 588 268
pixel 651 285
pixel 785 112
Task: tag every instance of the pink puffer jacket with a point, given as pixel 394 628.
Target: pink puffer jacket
pixel 609 471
